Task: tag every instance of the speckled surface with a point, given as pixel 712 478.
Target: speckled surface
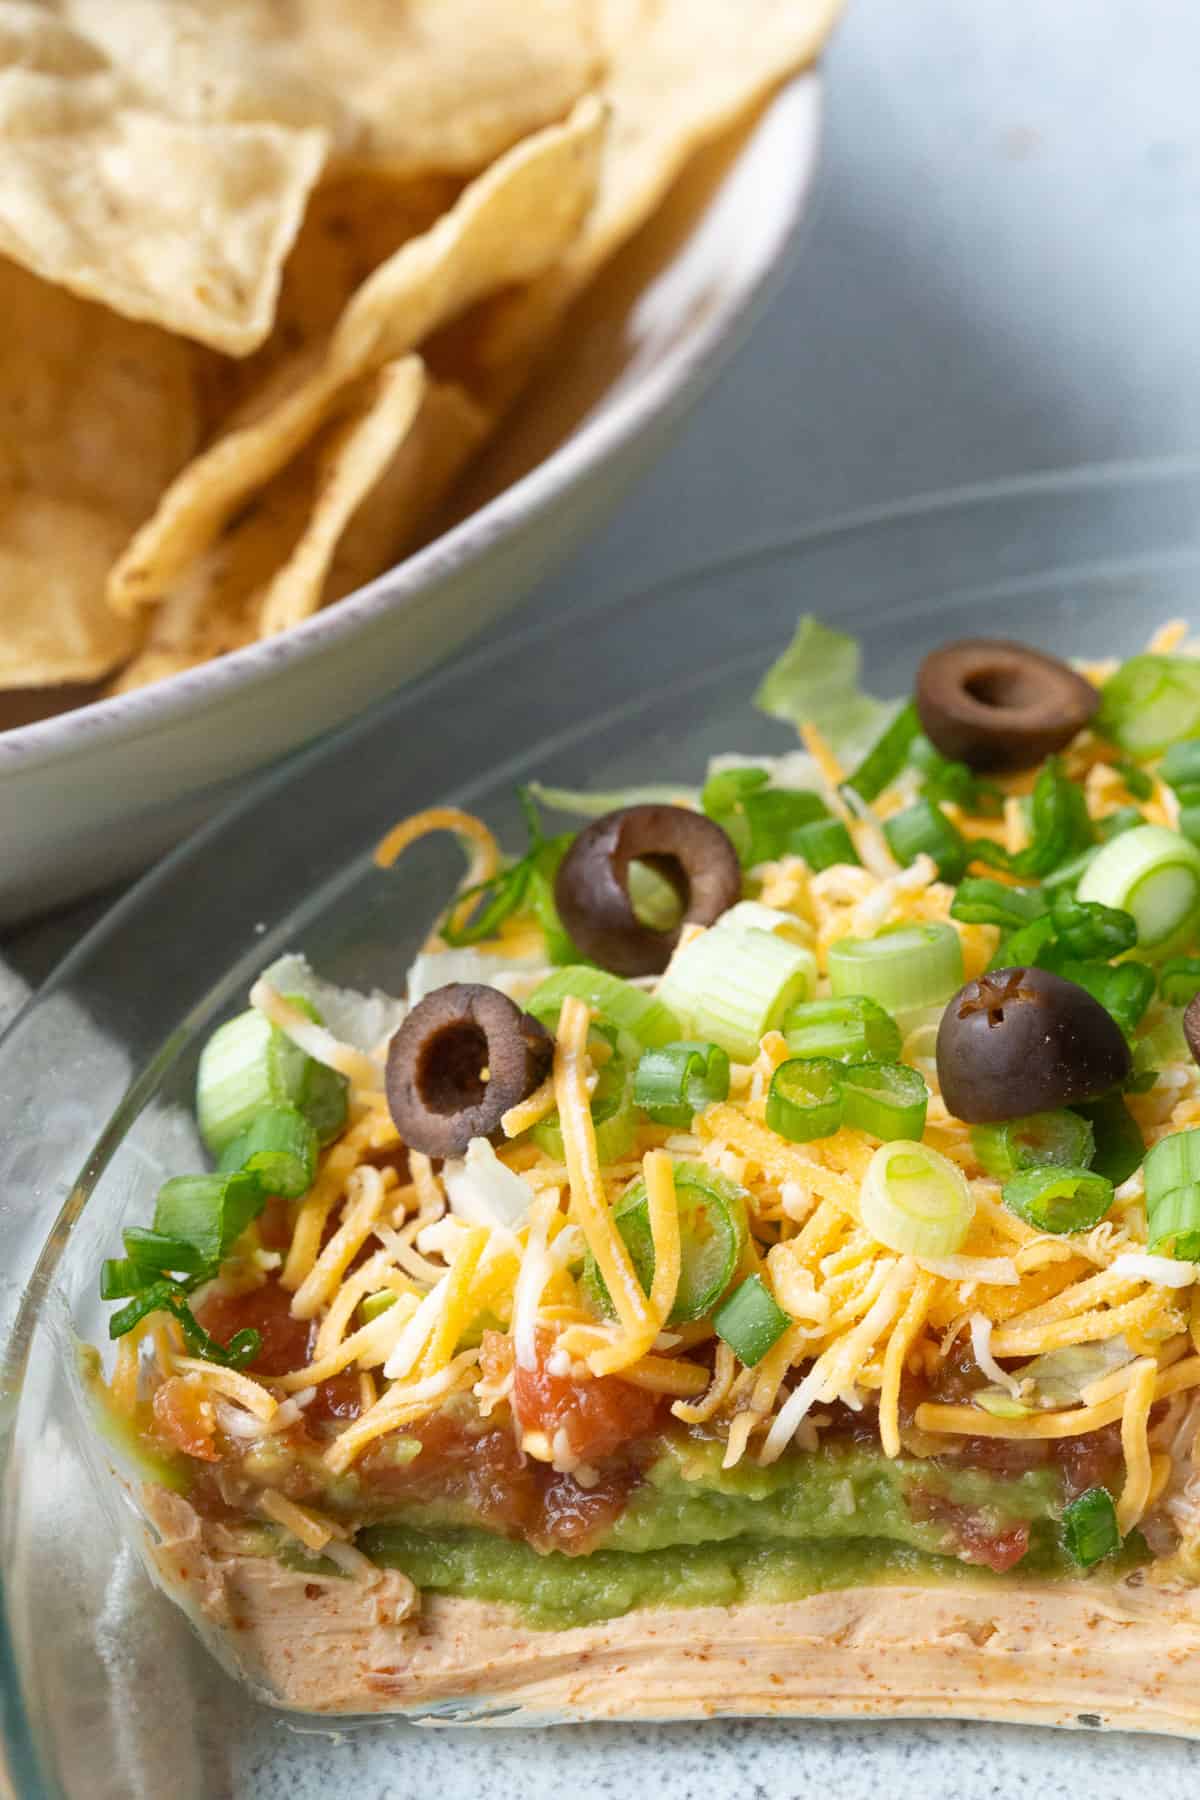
pixel 732 1760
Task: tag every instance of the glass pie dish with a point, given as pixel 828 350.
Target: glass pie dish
pixel 108 1689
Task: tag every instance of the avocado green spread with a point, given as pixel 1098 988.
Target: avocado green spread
pixel 695 1534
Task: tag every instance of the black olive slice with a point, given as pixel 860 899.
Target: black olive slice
pixel 1191 1027
pixel 1021 1041
pixel 462 1057
pixel 998 705
pixel 592 887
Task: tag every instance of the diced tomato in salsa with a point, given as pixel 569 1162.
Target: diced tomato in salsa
pixel 267 1309
pixel 184 1418
pixel 972 1535
pixel 597 1416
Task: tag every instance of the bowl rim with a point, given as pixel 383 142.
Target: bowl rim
pixel 794 113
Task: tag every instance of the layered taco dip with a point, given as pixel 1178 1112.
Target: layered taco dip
pixel 753 1267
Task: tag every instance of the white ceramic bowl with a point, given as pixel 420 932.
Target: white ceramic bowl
pixel 93 795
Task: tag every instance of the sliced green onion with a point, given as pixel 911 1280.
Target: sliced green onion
pixel 775 816
pixel 279 1147
pixel 245 1065
pixel 751 1321
pixel 248 1064
pixel 1125 990
pixel 1162 1042
pixel 924 828
pixel 324 1101
pixel 644 1016
pixel 539 897
pixel 753 915
pixel 1090 1528
pixel 1047 1139
pixel 915 1200
pixel 1180 767
pixel 901 968
pixel 122 1276
pixel 824 844
pixel 1150 703
pixel 374 1304
pixel 726 789
pixel 153 1251
pixel 1120 1146
pixel 1085 928
pixel 1058 1199
pixel 613 1117
pixel 1027 945
pixel 850 1030
pixel 731 986
pixel 884 761
pixel 1173 1223
pixel 804 1100
pixel 1125 818
pixel 680 1080
pixel 167 1296
pixel 946 780
pixel 1152 873
pixel 886 1099
pixel 979 900
pixel 1174 1162
pixel 210 1212
pixel 1179 980
pixel 1059 826
pixel 1136 780
pixel 761 821
pixel 713 1231
pixel 477 913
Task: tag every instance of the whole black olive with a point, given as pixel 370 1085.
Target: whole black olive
pixel 462 1057
pixel 1191 1027
pixel 1022 1041
pixel 592 887
pixel 997 705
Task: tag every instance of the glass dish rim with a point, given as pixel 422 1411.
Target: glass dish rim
pixel 1137 472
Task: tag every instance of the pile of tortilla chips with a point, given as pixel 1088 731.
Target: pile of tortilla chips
pixel 227 236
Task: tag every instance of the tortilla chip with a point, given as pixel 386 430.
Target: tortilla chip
pixel 96 413
pixel 448 431
pixel 279 547
pixel 681 73
pixel 406 87
pixel 353 223
pixel 331 521
pixel 54 625
pixel 351 464
pixel 507 227
pixel 182 225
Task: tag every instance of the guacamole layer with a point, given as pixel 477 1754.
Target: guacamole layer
pixel 695 1534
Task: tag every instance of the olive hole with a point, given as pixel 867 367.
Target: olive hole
pixel 451 1073
pixel 1009 688
pixel 657 892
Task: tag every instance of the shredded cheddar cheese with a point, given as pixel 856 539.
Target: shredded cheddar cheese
pixel 588 1200
pixel 470 1306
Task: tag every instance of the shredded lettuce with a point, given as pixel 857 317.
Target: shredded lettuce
pixel 587 805
pixel 516 976
pixel 363 1020
pixel 796 771
pixel 816 682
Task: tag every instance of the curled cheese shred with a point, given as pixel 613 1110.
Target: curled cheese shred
pixel 589 1204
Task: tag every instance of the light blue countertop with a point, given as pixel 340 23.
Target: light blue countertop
pixel 1003 275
